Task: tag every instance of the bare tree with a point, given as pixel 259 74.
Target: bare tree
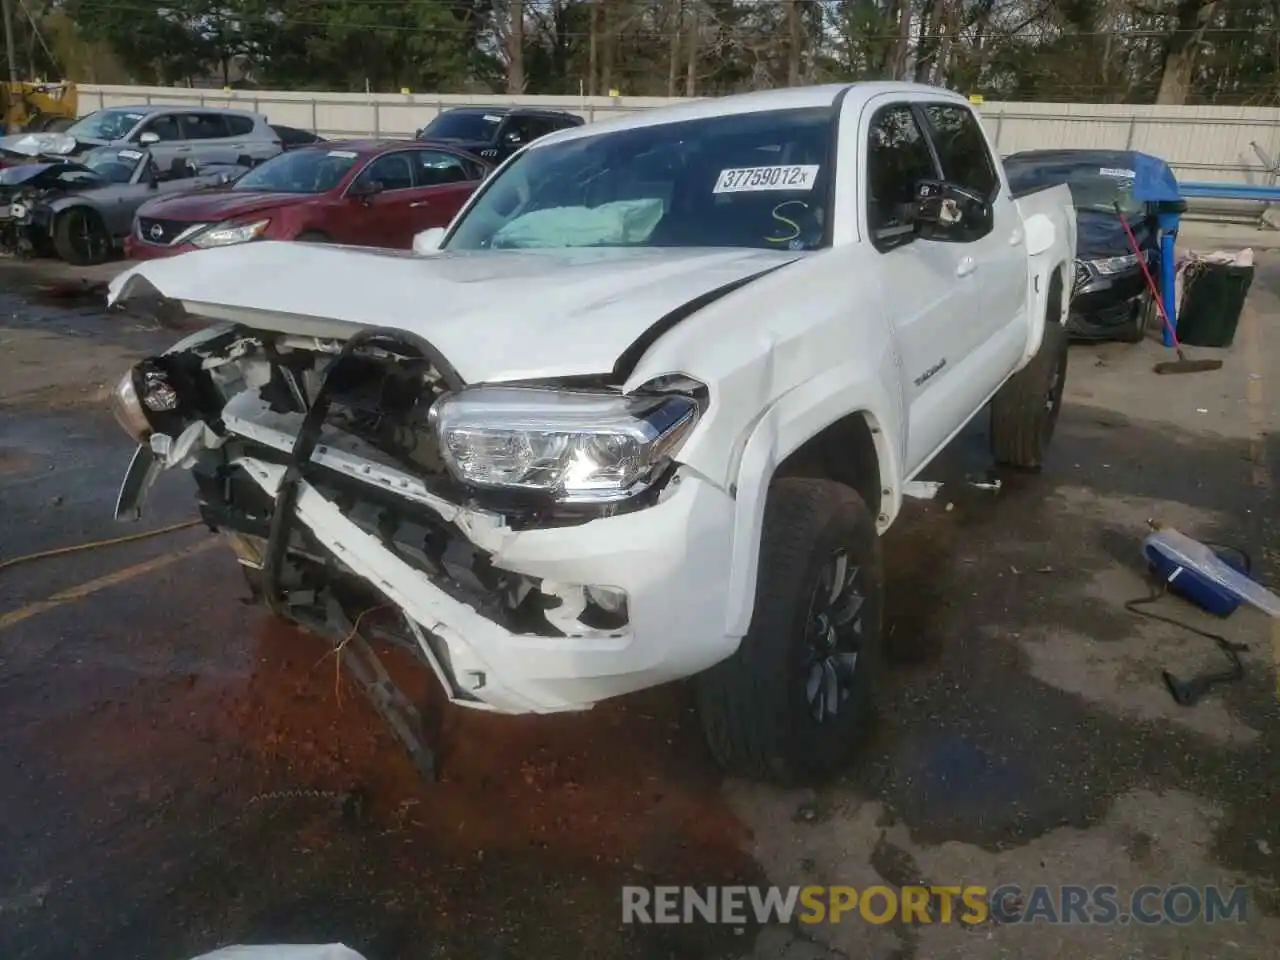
pixel 515 48
pixel 793 43
pixel 691 53
pixel 675 19
pixel 1192 18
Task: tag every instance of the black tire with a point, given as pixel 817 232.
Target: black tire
pixel 1144 308
pixel 313 236
pixel 1024 412
pixel 755 706
pixel 81 238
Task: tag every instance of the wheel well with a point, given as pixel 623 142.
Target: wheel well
pixel 1058 284
pixel 844 452
pixel 84 208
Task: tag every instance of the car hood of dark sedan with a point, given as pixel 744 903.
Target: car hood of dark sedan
pixel 211 206
pixel 1102 235
pixel 24 173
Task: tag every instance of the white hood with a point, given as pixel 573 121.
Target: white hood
pixel 495 315
pixel 39 144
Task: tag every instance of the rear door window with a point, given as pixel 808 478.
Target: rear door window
pixel 435 168
pixel 962 150
pixel 204 126
pixel 239 126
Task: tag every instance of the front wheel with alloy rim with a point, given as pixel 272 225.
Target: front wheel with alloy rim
pixel 81 238
pixel 795 699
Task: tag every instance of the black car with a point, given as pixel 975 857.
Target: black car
pixel 291 137
pixel 495 133
pixel 1110 299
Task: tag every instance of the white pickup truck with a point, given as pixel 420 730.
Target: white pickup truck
pixel 640 414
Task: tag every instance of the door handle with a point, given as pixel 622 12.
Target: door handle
pixel 967 266
pixel 1016 238
pixel 419 203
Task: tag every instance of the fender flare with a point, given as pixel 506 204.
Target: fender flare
pixel 792 419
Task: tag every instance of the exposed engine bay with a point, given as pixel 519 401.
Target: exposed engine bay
pixel 22 190
pixel 264 421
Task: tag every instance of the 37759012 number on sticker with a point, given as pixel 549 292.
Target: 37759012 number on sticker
pixel 786 177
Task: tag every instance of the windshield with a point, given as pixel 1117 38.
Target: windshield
pixel 746 180
pixel 1094 186
pixel 105 125
pixel 114 165
pixel 462 126
pixel 300 171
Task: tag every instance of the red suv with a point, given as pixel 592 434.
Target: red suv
pixel 375 193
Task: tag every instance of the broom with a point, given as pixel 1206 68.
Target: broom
pixel 1182 364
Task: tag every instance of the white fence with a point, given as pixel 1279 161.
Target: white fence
pixel 1200 143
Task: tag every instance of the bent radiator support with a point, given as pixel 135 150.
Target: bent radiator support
pixel 356 653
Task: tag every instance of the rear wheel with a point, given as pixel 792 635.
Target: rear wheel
pixel 81 238
pixel 795 699
pixel 1025 411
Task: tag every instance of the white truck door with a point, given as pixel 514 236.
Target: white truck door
pixel 997 334
pixel 930 289
pixel 968 161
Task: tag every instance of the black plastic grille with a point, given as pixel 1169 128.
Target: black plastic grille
pixel 162 232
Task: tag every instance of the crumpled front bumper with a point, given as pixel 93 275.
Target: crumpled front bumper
pixel 671 560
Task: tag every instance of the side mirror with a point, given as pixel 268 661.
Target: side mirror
pixel 946 211
pixel 428 241
pixel 149 138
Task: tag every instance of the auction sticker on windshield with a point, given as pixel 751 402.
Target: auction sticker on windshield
pixel 129 155
pixel 786 177
pixel 1118 172
pixel 343 154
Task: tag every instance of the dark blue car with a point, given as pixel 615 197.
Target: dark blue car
pixel 1110 299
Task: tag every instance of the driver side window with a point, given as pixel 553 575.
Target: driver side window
pixel 179 168
pixel 165 127
pixel 519 130
pixel 393 171
pixel 898 157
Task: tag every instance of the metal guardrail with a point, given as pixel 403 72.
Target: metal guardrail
pixel 1265 193
pixel 1229 191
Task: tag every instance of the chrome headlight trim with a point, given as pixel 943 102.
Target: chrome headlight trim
pixel 574 446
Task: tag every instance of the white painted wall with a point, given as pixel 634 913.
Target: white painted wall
pixel 1200 143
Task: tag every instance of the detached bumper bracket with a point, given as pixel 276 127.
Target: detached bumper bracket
pixel 387 698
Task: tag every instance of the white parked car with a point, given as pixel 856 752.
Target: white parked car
pixel 642 415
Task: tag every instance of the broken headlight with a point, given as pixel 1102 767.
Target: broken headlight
pixel 142 399
pixel 577 447
pixel 1110 266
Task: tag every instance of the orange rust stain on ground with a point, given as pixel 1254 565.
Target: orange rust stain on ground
pixel 627 786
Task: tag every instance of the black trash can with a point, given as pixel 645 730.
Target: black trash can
pixel 1212 299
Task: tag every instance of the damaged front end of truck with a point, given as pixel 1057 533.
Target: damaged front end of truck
pixel 368 492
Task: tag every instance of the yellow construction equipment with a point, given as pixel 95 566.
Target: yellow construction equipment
pixel 35 105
